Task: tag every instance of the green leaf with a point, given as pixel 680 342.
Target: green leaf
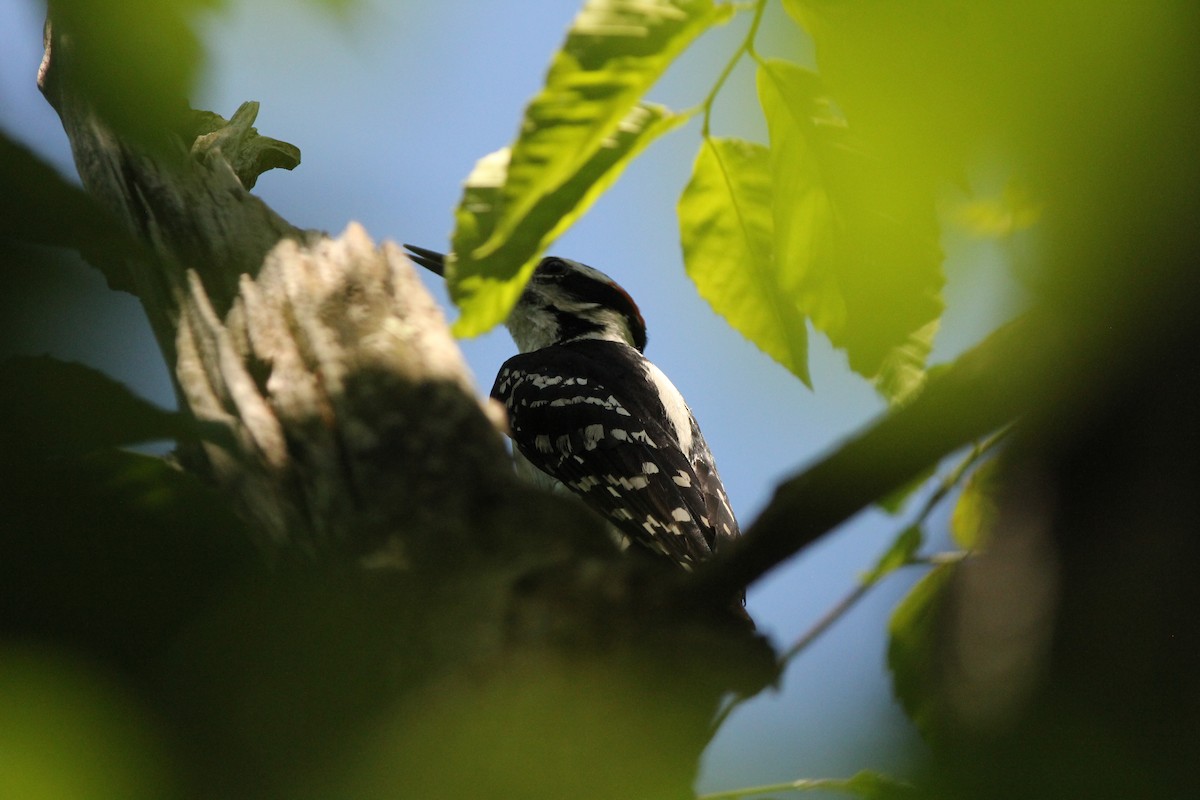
pixel 975 513
pixel 136 61
pixel 112 550
pixel 911 648
pixel 38 206
pixel 856 240
pixel 727 231
pixel 486 291
pixel 584 126
pixel 51 409
pixel 897 555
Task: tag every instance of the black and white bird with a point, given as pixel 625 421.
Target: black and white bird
pixel 588 410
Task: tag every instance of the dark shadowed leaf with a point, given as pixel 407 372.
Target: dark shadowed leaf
pixel 135 61
pixel 911 648
pixel 726 228
pixel 111 551
pixel 51 409
pixel 856 239
pixel 38 206
pixel 582 128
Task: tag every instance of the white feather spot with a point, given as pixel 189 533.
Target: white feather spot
pixel 681 515
pixel 591 435
pixel 682 479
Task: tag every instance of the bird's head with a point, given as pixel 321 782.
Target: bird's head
pixel 564 301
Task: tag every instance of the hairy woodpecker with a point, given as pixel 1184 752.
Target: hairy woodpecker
pixel 587 409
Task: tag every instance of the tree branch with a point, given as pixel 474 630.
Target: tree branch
pixel 988 387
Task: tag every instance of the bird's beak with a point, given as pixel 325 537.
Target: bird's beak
pixel 431 260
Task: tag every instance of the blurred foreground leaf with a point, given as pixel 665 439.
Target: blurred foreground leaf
pixel 110 552
pixel 68 734
pixel 726 228
pixel 911 648
pixel 51 408
pixel 38 206
pixel 135 61
pixel 577 135
pixel 975 512
pixel 901 551
pixel 856 240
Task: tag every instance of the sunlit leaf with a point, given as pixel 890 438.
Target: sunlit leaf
pixel 902 375
pixel 51 408
pixel 911 655
pixel 583 126
pixel 975 512
pixel 856 240
pixel 484 293
pixel 901 551
pixel 726 228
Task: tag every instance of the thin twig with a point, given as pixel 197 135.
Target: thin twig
pixel 747 46
pixel 860 590
pixel 847 602
pixel 859 784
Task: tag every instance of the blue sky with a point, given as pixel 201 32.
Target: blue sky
pixel 391 105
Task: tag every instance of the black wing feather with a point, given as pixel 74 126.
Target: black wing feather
pixel 604 434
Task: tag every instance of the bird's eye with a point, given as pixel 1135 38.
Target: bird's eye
pixel 552 267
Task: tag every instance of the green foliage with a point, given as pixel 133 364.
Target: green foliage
pixel 37 206
pixel 900 553
pixel 67 732
pixel 858 242
pixel 577 135
pixel 53 408
pixel 136 60
pixel 819 227
pixel 911 648
pixel 727 230
pixel 975 512
pixel 111 551
pixel 485 294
